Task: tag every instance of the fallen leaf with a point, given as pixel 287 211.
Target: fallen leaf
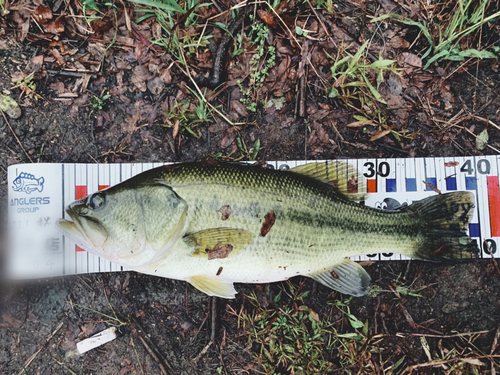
pixel 482 140
pixel 451 163
pixel 269 220
pixel 381 134
pixel 43 13
pixel 155 86
pixel 8 321
pixel 9 106
pixel 267 18
pixel 139 77
pixel 36 63
pixel 397 42
pixel 219 251
pixel 175 129
pixel 239 108
pixel 229 137
pixel 360 124
pixel 409 62
pixel 225 211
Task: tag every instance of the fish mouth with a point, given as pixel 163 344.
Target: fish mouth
pixel 78 231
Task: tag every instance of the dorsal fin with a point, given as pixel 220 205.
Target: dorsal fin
pixel 340 174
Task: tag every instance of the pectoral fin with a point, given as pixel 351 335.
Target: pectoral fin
pixel 345 177
pixel 227 241
pixel 347 277
pixel 213 286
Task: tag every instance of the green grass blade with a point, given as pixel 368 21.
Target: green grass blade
pixel 167 5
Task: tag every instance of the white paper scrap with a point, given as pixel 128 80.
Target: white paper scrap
pixel 97 340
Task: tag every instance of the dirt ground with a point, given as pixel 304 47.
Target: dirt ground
pixel 165 325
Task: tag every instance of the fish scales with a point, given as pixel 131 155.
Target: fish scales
pixel 281 224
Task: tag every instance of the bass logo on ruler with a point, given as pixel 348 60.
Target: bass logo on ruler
pixel 28 183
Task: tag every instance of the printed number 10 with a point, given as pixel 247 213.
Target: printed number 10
pixel 483 167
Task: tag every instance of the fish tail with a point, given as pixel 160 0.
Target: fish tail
pixel 444 220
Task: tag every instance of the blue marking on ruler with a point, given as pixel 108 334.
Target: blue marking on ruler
pixel 390 185
pixel 474 229
pixel 470 183
pixel 432 181
pixel 451 183
pixel 411 184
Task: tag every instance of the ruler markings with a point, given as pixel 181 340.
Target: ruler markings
pixel 399 179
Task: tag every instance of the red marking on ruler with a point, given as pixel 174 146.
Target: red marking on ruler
pixel 371 186
pixel 494 203
pixel 102 187
pixel 80 192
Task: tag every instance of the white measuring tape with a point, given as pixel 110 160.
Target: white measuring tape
pixel 38 194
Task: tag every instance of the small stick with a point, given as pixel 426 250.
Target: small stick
pixel 15 136
pixel 213 311
pixel 153 354
pixel 35 354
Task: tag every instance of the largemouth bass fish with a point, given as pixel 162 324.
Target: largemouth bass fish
pixel 215 224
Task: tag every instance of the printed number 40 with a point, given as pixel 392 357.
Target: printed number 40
pixel 483 166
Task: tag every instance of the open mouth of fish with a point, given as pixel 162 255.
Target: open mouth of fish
pixel 76 232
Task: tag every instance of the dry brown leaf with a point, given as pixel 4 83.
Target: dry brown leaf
pixel 381 134
pixel 139 77
pixel 397 42
pixel 451 163
pixel 409 62
pixel 267 18
pixel 155 86
pixel 175 129
pixel 239 108
pixel 360 124
pixel 43 13
pixel 229 137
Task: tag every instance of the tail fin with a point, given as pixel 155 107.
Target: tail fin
pixel 444 221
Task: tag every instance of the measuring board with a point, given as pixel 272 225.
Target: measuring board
pixel 38 194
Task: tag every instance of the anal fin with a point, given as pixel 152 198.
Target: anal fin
pixel 213 286
pixel 347 277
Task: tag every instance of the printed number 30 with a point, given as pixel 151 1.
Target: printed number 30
pixel 383 169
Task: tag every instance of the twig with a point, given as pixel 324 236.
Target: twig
pixel 205 349
pixel 401 334
pixel 193 81
pixel 15 136
pixel 35 354
pixel 435 363
pixel 137 355
pixel 153 354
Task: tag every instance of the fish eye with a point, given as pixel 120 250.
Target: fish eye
pixel 97 201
